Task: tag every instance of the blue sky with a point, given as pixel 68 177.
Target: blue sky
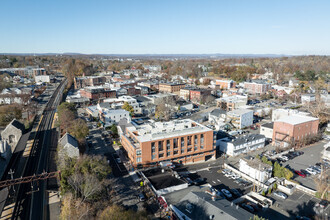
pixel 166 26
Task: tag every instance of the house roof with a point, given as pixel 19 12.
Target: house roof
pixel 17 125
pixel 68 139
pixel 203 206
pixel 296 119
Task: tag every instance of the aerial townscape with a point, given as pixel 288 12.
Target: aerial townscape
pixel 143 126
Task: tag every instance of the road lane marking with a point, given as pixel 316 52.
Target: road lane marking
pixel 214 182
pixel 219 180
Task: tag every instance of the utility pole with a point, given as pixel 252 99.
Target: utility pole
pixel 11 173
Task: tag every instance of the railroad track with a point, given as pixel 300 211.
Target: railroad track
pixel 30 197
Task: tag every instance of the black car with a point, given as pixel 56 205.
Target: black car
pixel 199 181
pixel 304 172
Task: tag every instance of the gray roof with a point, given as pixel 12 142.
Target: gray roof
pixel 268 125
pixel 17 125
pixel 245 139
pixel 68 139
pixel 203 206
pixel 217 112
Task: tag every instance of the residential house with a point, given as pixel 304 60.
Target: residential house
pixel 231 102
pixel 267 130
pixel 69 146
pixel 13 133
pixel 307 99
pixel 243 144
pixel 218 118
pixel 256 169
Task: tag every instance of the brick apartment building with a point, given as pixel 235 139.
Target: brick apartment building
pixel 179 140
pixel 95 93
pixel 199 95
pixel 171 87
pixel 82 82
pixel 194 94
pixel 225 84
pixel 294 128
pixel 257 87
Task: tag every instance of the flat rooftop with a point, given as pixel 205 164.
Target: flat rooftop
pixel 296 119
pixel 161 130
pixel 161 180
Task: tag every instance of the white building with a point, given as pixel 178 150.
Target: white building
pixel 232 102
pixel 281 113
pixel 243 144
pixel 267 130
pixel 113 116
pixel 256 169
pixel 326 151
pixel 218 118
pixel 307 98
pixel 39 79
pixel 241 118
pixel 69 146
pixel 117 103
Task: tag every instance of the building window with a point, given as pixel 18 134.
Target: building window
pixel 202 146
pixel 153 148
pixel 195 148
pixel 153 157
pixel 189 149
pixel 168 145
pixel 160 145
pixel 168 154
pixel 175 143
pixel 182 141
pixel 161 155
pixel 189 140
pixel 175 152
pixel 138 152
pixel 139 160
pixel 182 150
pixel 195 139
pixel 202 139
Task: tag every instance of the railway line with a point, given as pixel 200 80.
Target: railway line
pixel 30 197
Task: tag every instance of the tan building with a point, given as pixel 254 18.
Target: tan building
pixel 171 87
pixel 185 93
pixel 180 141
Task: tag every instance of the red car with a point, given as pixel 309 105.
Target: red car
pixel 300 173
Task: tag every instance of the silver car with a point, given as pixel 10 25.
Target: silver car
pixel 281 195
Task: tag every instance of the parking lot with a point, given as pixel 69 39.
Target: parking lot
pixel 311 156
pixel 219 181
pixel 298 203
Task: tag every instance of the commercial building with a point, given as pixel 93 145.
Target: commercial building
pixel 180 140
pixel 281 113
pixel 267 129
pixel 171 87
pixel 199 95
pixel 256 169
pixel 294 128
pixel 240 145
pixel 232 102
pixel 29 71
pixel 82 82
pixel 95 93
pixel 240 118
pixel 44 79
pixel 225 84
pixel 257 87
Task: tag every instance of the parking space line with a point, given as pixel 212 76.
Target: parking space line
pixel 300 197
pixel 219 181
pixel 214 182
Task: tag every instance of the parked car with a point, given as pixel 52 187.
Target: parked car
pixel 247 207
pixel 236 192
pixel 281 195
pixel 311 171
pixel 323 204
pixel 199 181
pixel 305 172
pixel 226 193
pixel 300 173
pixel 224 171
